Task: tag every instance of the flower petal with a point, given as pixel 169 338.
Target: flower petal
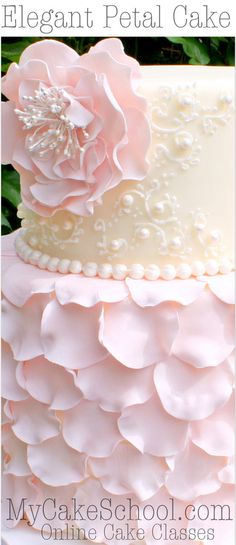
pixel 223 287
pixel 194 474
pixel 138 337
pixel 50 384
pixel 133 163
pixel 206 335
pixel 215 435
pixel 150 294
pixel 227 474
pixel 51 498
pixel 102 62
pixel 16 454
pixel 21 327
pixel 115 48
pixel 220 507
pixel 127 470
pixel 52 52
pixel 55 463
pixel 24 534
pixel 92 489
pixel 10 388
pixel 87 428
pixel 70 335
pixel 23 280
pixel 9 138
pixel 150 429
pixel 89 291
pixel 33 422
pixel 16 488
pixel 162 508
pixel 132 386
pixel 184 390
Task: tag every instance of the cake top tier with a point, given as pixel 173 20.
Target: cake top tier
pixel 91 198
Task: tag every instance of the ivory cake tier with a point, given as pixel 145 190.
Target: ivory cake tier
pixel 181 214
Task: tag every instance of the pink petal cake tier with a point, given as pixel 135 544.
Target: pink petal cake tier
pixel 118 301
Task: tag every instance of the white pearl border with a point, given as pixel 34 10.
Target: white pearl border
pixel 120 272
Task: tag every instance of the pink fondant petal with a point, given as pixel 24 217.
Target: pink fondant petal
pixel 215 434
pixel 13 132
pixel 50 384
pixel 16 454
pixel 150 294
pixel 21 327
pixel 129 471
pixel 217 512
pixel 223 287
pixel 132 386
pixel 55 463
pixel 33 422
pixel 25 534
pixel 23 280
pixel 184 390
pixel 114 47
pixel 10 388
pixel 6 417
pixel 206 335
pixel 52 497
pixel 159 510
pixel 134 164
pixel 87 428
pixel 112 514
pixel 138 337
pixel 33 72
pixel 194 474
pixel 11 82
pixel 8 253
pixel 101 62
pixel 46 194
pixel 151 430
pixel 70 335
pixel 227 474
pixel 87 292
pixel 21 493
pixel 52 52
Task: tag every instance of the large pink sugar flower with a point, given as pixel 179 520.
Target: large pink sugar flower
pixel 74 126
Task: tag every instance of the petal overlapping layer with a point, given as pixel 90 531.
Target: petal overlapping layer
pixel 87 428
pixel 129 471
pixel 55 463
pixel 50 384
pixel 150 429
pixel 189 393
pixel 209 341
pixel 115 390
pixel 70 335
pixel 147 333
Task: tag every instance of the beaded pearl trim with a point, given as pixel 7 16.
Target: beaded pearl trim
pixel 121 271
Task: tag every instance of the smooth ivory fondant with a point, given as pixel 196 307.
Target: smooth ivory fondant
pixel 181 214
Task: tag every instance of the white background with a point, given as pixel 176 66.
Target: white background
pixel 98 9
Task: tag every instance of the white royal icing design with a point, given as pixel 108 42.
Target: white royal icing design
pixel 119 272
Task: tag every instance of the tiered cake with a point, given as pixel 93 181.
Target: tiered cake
pixel 118 300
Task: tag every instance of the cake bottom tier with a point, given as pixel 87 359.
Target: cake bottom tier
pixel 118 408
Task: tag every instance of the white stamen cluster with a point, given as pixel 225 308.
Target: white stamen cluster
pixel 52 130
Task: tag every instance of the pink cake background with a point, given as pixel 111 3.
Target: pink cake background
pixel 115 389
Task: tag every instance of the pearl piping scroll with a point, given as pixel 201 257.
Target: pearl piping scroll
pixel 119 272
